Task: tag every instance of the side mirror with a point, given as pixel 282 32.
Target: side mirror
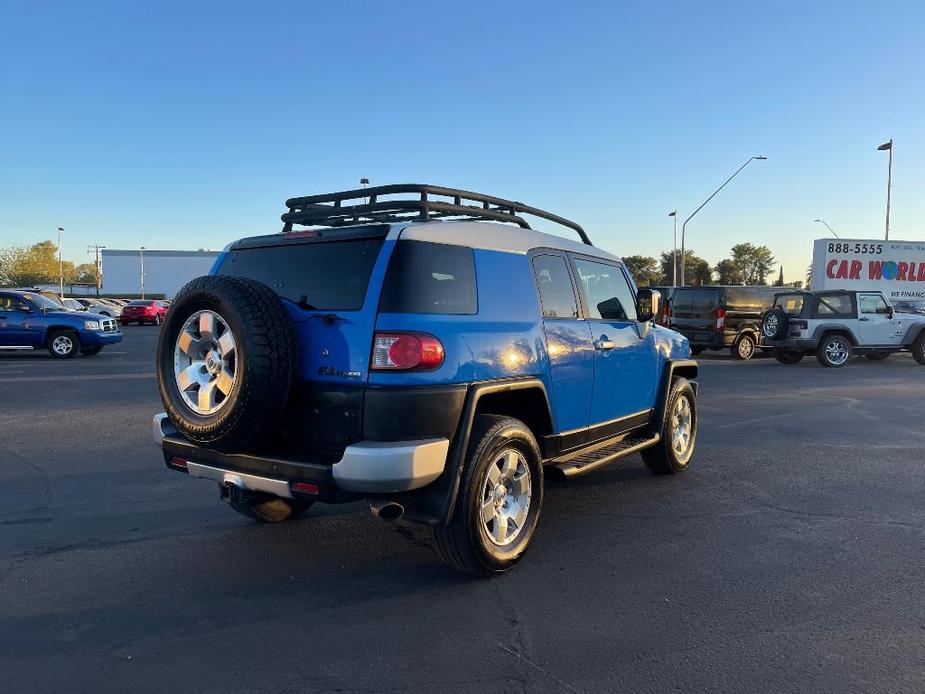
pixel 647 304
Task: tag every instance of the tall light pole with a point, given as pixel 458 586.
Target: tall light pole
pixel 99 266
pixel 828 227
pixel 674 250
pixel 889 182
pixel 60 265
pixel 684 226
pixel 141 255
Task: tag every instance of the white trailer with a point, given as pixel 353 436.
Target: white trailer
pixel 161 272
pixel 896 268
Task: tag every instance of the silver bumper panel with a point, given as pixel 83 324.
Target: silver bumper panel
pixel 371 466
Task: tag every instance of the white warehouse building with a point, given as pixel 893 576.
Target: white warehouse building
pixel 161 272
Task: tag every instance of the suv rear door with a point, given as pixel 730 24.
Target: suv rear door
pixel 694 310
pixel 625 358
pixel 568 344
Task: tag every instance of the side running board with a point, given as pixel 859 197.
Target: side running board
pixel 601 454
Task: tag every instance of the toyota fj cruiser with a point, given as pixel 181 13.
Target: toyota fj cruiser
pixel 837 324
pixel 423 348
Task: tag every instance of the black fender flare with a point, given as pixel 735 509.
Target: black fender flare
pixel 435 503
pixel 913 333
pixel 674 367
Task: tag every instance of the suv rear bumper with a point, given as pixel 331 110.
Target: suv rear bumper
pixel 366 467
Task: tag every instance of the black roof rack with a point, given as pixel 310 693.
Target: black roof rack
pixel 330 209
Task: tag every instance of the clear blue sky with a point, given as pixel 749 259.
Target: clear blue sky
pixel 186 125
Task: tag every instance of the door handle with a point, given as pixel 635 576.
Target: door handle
pixel 864 319
pixel 604 345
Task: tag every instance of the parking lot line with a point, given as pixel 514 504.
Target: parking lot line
pixel 86 377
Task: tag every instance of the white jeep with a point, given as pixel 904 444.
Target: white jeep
pixel 837 324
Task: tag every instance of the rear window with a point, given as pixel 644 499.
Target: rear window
pixel 426 277
pixel 703 299
pixel 140 303
pixel 329 276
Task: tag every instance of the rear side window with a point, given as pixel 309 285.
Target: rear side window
pixel 330 276
pixel 748 298
pixel 835 304
pixel 428 277
pixel 606 290
pixel 557 295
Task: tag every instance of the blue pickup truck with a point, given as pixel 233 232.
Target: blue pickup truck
pixel 28 319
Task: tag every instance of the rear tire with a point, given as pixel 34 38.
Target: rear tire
pixel 268 508
pixel 500 499
pixel 744 347
pixel 834 351
pixel 673 453
pixel 63 344
pixel 789 356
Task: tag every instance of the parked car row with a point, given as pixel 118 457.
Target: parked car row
pixel 833 325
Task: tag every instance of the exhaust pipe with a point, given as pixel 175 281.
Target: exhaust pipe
pixel 387 510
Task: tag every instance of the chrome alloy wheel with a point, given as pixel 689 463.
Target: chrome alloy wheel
pixel 770 325
pixel 205 362
pixel 836 351
pixel 506 497
pixel 746 347
pixel 62 345
pixel 682 427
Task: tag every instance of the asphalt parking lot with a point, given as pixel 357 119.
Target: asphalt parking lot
pixel 791 556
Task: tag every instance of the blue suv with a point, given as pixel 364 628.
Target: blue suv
pixel 31 320
pixel 421 347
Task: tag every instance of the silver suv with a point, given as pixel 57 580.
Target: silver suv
pixel 837 324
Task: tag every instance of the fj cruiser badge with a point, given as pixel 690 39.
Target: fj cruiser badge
pixel 331 371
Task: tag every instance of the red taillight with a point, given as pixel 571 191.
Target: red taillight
pixel 666 315
pixel 404 351
pixel 179 463
pixel 720 319
pixel 305 488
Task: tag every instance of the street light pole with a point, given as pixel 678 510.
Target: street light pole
pixel 828 227
pixel 60 265
pixel 674 250
pixel 889 182
pixel 141 255
pixel 684 226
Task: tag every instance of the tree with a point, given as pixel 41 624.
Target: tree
pixel 696 274
pixel 85 273
pixel 780 280
pixel 10 256
pixel 727 272
pixel 644 269
pixel 809 277
pixel 753 262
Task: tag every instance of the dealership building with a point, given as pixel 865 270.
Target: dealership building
pixel 137 271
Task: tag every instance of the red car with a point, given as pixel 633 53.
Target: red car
pixel 143 311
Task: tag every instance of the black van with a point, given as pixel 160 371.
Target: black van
pixel 714 317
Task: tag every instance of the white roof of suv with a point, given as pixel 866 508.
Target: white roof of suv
pixel 494 237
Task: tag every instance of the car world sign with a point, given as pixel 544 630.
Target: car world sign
pixel 896 268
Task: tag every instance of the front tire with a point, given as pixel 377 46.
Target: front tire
pixel 672 454
pixel 268 508
pixel 834 351
pixel 918 349
pixel 744 347
pixel 63 344
pixel 500 499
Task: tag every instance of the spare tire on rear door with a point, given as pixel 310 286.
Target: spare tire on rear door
pixel 774 324
pixel 226 360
